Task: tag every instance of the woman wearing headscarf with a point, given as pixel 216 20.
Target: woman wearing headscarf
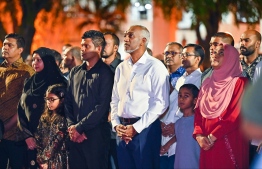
pixel 31 105
pixel 217 113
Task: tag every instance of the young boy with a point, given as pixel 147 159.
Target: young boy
pixel 187 149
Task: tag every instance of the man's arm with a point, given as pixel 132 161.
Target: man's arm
pixel 115 101
pixel 69 100
pixel 160 102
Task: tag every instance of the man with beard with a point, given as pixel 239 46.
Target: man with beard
pixel 71 58
pixel 110 53
pixel 216 40
pixel 86 105
pixel 140 95
pixel 192 56
pixel 250 42
pixel 111 58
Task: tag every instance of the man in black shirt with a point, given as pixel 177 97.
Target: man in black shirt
pixel 86 107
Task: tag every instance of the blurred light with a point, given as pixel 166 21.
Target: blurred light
pixel 148 6
pixel 137 4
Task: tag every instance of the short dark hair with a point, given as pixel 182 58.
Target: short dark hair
pixel 57 56
pixel 20 41
pixel 192 88
pixel 76 52
pixel 225 37
pixel 96 36
pixel 115 38
pixel 175 43
pixel 199 51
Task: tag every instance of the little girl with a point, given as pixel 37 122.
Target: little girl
pixel 51 132
pixel 187 149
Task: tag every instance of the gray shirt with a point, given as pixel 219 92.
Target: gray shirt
pixel 187 149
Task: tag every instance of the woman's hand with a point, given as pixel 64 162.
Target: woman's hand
pixel 31 145
pixel 204 142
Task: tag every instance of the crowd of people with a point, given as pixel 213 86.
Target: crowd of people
pixel 89 109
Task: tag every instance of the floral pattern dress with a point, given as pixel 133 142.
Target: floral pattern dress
pixel 51 140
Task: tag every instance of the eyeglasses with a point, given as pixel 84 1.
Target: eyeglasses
pixel 171 53
pixel 186 55
pixel 50 99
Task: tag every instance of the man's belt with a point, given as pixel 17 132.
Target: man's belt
pixel 127 121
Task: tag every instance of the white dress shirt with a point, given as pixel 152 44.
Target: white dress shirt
pixel 140 90
pixel 194 78
pixel 173 113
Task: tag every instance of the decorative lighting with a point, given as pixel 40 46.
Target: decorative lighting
pixel 148 6
pixel 137 4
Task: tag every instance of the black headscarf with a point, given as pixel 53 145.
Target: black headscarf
pixel 50 75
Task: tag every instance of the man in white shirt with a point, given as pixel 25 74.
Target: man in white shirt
pixel 192 56
pixel 173 62
pixel 140 95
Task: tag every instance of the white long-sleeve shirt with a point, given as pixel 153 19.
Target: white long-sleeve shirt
pixel 140 90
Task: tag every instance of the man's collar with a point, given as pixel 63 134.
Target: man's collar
pixel 142 60
pixel 15 64
pixel 84 65
pixel 180 70
pixel 115 62
pixel 258 59
pixel 193 73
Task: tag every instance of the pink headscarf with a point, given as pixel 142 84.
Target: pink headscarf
pixel 216 91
